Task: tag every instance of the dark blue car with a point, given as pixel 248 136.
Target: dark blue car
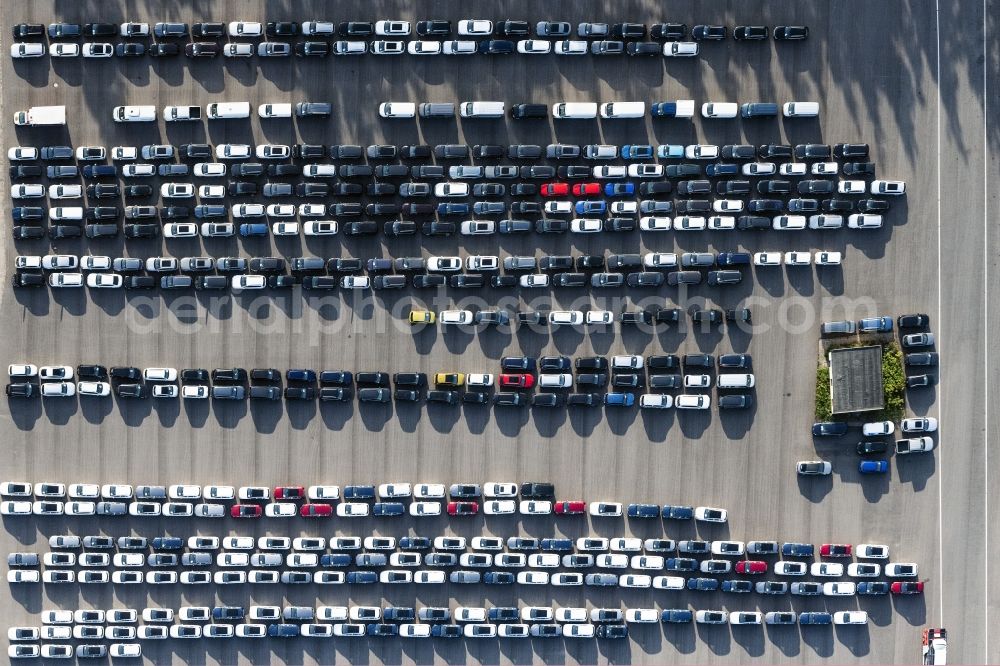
pixel 676 615
pixel 737 586
pixel 681 564
pixel 254 229
pixel 498 578
pixel 703 584
pixel 829 429
pixel 336 560
pixel 446 631
pixel 359 492
pixel 873 588
pixel 643 510
pixel 362 577
pixel 414 543
pixel 792 549
pixel 557 544
pixel 282 630
pixel 677 512
pixel 815 618
pixel 388 509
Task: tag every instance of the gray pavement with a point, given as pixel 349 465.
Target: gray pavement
pixel 872 66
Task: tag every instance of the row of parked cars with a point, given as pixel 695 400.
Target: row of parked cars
pixel 917 347
pixel 543 37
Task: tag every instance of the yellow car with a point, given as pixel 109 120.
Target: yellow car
pixel 422 317
pixel 449 379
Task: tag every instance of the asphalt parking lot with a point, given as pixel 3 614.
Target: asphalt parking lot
pixel 876 73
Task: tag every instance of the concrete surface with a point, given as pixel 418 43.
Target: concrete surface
pixel 880 77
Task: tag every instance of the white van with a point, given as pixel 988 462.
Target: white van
pixel 735 381
pixel 482 109
pixel 224 110
pixel 134 114
pixel 800 109
pixel 397 109
pixel 574 110
pixel 719 109
pixel 623 109
pixel 274 110
pixel 66 213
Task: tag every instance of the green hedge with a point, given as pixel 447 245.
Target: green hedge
pixel 823 400
pixel 893 382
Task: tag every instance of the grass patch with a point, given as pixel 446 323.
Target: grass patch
pixel 893 385
pixel 823 401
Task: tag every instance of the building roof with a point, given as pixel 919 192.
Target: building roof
pixel 856 379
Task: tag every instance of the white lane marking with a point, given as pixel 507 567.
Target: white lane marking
pixel 986 350
pixel 940 394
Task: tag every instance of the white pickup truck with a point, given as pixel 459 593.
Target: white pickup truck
pixel 914 445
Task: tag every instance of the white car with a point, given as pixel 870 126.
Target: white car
pixel 352 510
pixel 27 191
pixel 534 281
pixel 599 317
pixel 15 509
pixel 245 29
pixel 722 223
pixel 839 589
pixel 281 510
pixel 535 507
pixel 27 50
pixel 392 28
pixel 233 151
pixel 585 226
pixel 875 551
pixel 280 210
pixel 656 401
pixel 65 191
pixel 850 617
pixel 533 578
pixel 558 207
pixel 798 259
pixel 177 190
pixel 635 581
pixel 243 282
pixel 238 50
pixel 241 211
pixel 165 375
pixel 759 169
pixel 456 317
pixel 745 617
pixel 99 389
pixel 864 570
pixel 285 228
pixel 901 570
pixel 451 190
pixel 421 47
pixel 824 169
pixel 394 490
pixel 138 170
pixel 827 258
pixel 211 192
pixel 459 47
pixel 649 223
pixel 480 379
pixel 641 615
pixel 767 259
pixel 501 490
pixel 444 264
pixel 312 210
pixel 58 390
pixel 425 509
pixel 727 205
pixel 98 50
pixel 913 425
pixel 566 318
pixel 430 490
pixel 534 46
pixel 612 561
pixel 864 221
pixel 827 569
pixel 701 152
pixel 788 223
pixel 269 151
pixel 93 262
pixel 22 370
pixel 273 111
pixel 689 223
pixel 889 187
pixel 571 47
pixel 710 514
pixel 475 27
pixel 852 187
pixel 697 381
pixel 791 169
pixel 499 507
pixel 64 50
pixel 878 429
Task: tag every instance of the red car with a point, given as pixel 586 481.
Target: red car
pixel 751 567
pixel 289 492
pixel 245 511
pixel 835 550
pixel 910 587
pixel 570 508
pixel 554 189
pixel 517 381
pixel 316 510
pixel 462 508
pixel 585 189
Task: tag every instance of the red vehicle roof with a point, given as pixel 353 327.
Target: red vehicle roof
pixel 462 508
pixel 586 188
pixel 245 511
pixel 554 189
pixel 517 380
pixel 751 567
pixel 289 492
pixel 315 510
pixel 570 507
pixel 836 550
pixel 897 588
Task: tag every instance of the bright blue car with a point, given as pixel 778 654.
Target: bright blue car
pixel 873 466
pixel 590 207
pixel 670 151
pixel 619 399
pixel 619 189
pixel 637 152
pixel 255 229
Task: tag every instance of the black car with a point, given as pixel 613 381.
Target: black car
pixel 130 50
pixel 17 172
pixel 790 32
pixel 434 28
pixel 162 49
pixel 873 205
pixel 20 213
pixel 64 30
pixel 282 28
pixel 750 32
pixel 668 32
pixel 496 47
pixel 859 169
pixel 708 32
pixel 871 447
pixel 628 30
pixel 355 29
pixel 126 372
pixel 24 30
